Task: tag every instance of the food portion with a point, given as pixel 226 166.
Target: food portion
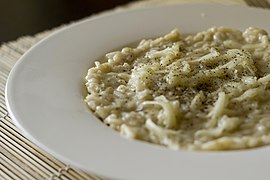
pixel 208 91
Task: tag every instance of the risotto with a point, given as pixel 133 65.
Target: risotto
pixel 207 91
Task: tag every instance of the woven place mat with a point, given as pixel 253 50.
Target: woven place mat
pixel 20 158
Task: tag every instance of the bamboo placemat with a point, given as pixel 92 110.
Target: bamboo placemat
pixel 20 158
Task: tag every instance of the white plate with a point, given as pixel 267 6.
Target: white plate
pixel 44 97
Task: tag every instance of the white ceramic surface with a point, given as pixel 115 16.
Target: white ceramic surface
pixel 44 97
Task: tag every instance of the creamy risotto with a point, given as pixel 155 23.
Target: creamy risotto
pixel 208 91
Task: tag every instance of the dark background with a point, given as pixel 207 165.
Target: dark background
pixel 28 17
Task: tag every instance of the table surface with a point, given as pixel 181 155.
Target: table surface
pixel 28 17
